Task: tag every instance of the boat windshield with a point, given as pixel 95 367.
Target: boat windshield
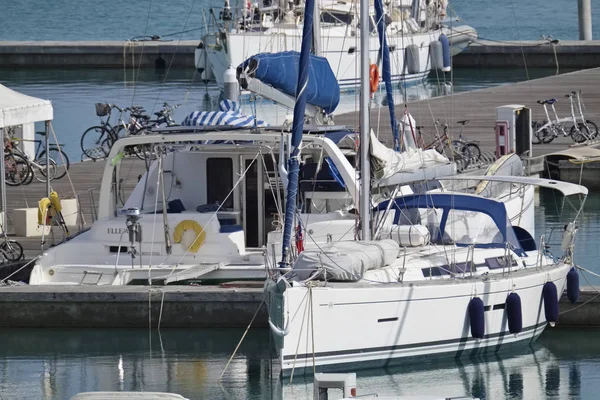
pixel 472 227
pixel 459 219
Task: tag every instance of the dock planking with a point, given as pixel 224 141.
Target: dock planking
pixel 478 106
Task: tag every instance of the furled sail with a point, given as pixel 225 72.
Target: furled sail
pixel 386 162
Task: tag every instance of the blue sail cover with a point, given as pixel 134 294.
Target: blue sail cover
pixel 280 70
pixel 387 74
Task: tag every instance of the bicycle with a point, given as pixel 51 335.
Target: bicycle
pixel 473 145
pixel 139 123
pixel 10 250
pixel 454 150
pixel 546 131
pixel 589 125
pixel 16 169
pixel 56 153
pixel 36 168
pixel 97 141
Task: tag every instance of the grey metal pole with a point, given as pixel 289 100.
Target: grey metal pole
pixel 316 44
pixel 365 126
pixel 3 183
pixel 585 19
pixel 48 159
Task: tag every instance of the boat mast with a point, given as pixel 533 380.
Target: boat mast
pixel 297 130
pixel 316 41
pixel 365 126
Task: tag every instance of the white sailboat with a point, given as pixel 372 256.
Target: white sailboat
pixel 419 39
pixel 450 278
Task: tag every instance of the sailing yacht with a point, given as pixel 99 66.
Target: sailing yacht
pixel 445 274
pixel 418 35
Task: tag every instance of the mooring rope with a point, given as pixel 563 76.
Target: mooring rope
pixel 243 336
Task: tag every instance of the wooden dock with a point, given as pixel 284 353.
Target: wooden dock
pixel 479 107
pixel 476 106
pixel 574 163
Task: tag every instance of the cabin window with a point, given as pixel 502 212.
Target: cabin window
pixel 329 17
pixel 219 181
pixel 472 227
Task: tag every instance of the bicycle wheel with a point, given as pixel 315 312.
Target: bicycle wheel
pixel 545 136
pixel 581 134
pixel 17 170
pixel 474 150
pixel 534 137
pixel 593 128
pixel 61 159
pixel 40 173
pixel 93 142
pixel 144 152
pixel 458 153
pixel 12 250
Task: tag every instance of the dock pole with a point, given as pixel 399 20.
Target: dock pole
pixel 585 19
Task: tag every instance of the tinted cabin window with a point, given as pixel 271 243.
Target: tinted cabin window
pixel 219 181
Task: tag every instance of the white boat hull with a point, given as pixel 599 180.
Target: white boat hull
pixel 376 325
pixel 338 46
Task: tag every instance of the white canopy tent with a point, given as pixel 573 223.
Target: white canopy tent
pixel 19 109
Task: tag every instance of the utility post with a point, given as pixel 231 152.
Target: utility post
pixel 585 19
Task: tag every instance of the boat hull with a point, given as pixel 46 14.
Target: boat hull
pixel 338 47
pixel 376 325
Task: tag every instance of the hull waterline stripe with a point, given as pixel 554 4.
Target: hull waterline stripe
pixel 407 346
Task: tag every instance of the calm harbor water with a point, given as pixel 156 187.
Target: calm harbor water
pixel 122 19
pixel 56 364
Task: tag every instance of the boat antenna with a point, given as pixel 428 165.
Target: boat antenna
pixel 297 130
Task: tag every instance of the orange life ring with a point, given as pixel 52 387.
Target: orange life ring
pixel 374 78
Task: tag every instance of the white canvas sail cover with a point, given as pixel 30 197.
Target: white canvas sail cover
pixel 346 261
pixel 387 162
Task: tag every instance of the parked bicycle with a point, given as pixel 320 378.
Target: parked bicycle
pixel 455 150
pixel 578 108
pixel 10 250
pixel 581 130
pixel 22 168
pixel 97 141
pixel 55 152
pixel 473 145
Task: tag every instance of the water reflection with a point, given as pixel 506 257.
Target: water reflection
pixel 55 364
pixel 532 373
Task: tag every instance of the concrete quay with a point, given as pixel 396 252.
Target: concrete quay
pixel 179 307
pixel 180 54
pixel 130 306
pixel 569 54
pixel 97 54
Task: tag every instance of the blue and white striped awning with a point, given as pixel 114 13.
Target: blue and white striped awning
pixel 229 115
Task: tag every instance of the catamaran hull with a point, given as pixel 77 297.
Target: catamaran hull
pixel 374 325
pixel 340 49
